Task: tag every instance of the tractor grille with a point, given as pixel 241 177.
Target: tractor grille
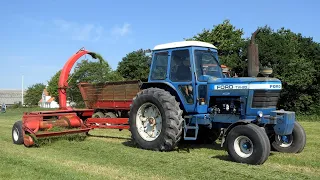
pixel 265 99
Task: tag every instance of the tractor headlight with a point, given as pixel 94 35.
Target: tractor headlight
pixel 260 113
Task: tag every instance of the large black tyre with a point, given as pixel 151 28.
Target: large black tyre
pixel 171 122
pixel 17 134
pixel 295 142
pixel 255 148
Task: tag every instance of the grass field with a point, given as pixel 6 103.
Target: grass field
pixel 108 154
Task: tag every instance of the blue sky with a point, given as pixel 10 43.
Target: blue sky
pixel 37 37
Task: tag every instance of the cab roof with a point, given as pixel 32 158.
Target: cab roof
pixel 183 44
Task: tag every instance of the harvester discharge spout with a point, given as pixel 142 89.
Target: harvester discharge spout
pixel 63 79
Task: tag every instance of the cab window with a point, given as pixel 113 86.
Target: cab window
pixel 159 67
pixel 180 66
pixel 207 64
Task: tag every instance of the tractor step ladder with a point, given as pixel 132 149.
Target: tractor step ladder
pixel 188 127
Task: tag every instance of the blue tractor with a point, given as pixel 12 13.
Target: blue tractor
pixel 188 97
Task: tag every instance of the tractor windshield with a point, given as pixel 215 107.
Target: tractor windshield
pixel 207 64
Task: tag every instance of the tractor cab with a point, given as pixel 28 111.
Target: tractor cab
pixel 186 67
pixel 176 61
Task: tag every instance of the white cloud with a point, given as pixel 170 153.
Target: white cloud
pixel 122 30
pixel 79 32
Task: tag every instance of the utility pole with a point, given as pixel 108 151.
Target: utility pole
pixel 22 92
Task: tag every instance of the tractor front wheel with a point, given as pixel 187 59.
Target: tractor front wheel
pixel 155 120
pixel 248 144
pixel 293 143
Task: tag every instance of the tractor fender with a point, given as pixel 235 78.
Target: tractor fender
pixel 225 132
pixel 165 86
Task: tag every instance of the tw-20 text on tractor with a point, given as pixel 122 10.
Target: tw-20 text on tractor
pixel 186 97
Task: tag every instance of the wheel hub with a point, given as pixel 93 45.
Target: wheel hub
pixel 15 135
pixel 246 145
pixel 243 146
pixel 149 122
pixel 285 141
pixel 152 121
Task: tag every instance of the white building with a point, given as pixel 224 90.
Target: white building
pixel 47 101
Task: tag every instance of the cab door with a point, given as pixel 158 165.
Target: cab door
pixel 206 66
pixel 182 78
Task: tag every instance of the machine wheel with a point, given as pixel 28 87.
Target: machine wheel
pixel 98 115
pixel 248 144
pixel 293 143
pixel 17 134
pixel 155 120
pixel 110 115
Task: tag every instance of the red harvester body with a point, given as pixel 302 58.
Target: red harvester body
pixel 109 97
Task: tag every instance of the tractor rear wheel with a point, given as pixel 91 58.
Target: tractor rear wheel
pixel 248 144
pixel 155 120
pixel 293 143
pixel 17 134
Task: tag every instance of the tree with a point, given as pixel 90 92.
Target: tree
pixel 135 65
pixel 292 58
pixel 34 94
pixel 229 42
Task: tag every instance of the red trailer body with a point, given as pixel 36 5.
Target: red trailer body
pixel 109 96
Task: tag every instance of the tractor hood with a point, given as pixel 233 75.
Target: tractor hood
pixel 241 86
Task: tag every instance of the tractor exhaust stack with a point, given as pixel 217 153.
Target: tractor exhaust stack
pixel 253 56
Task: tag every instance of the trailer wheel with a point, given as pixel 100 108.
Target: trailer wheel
pixel 293 143
pixel 248 144
pixel 155 120
pixel 98 115
pixel 17 134
pixel 110 115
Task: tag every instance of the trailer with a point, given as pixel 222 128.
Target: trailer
pixel 111 103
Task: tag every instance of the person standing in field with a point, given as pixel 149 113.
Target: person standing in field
pixel 3 107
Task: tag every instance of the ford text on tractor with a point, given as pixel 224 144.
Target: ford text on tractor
pixel 186 97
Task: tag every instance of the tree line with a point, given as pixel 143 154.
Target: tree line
pixel 294 58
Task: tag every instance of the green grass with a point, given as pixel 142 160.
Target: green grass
pixel 108 154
